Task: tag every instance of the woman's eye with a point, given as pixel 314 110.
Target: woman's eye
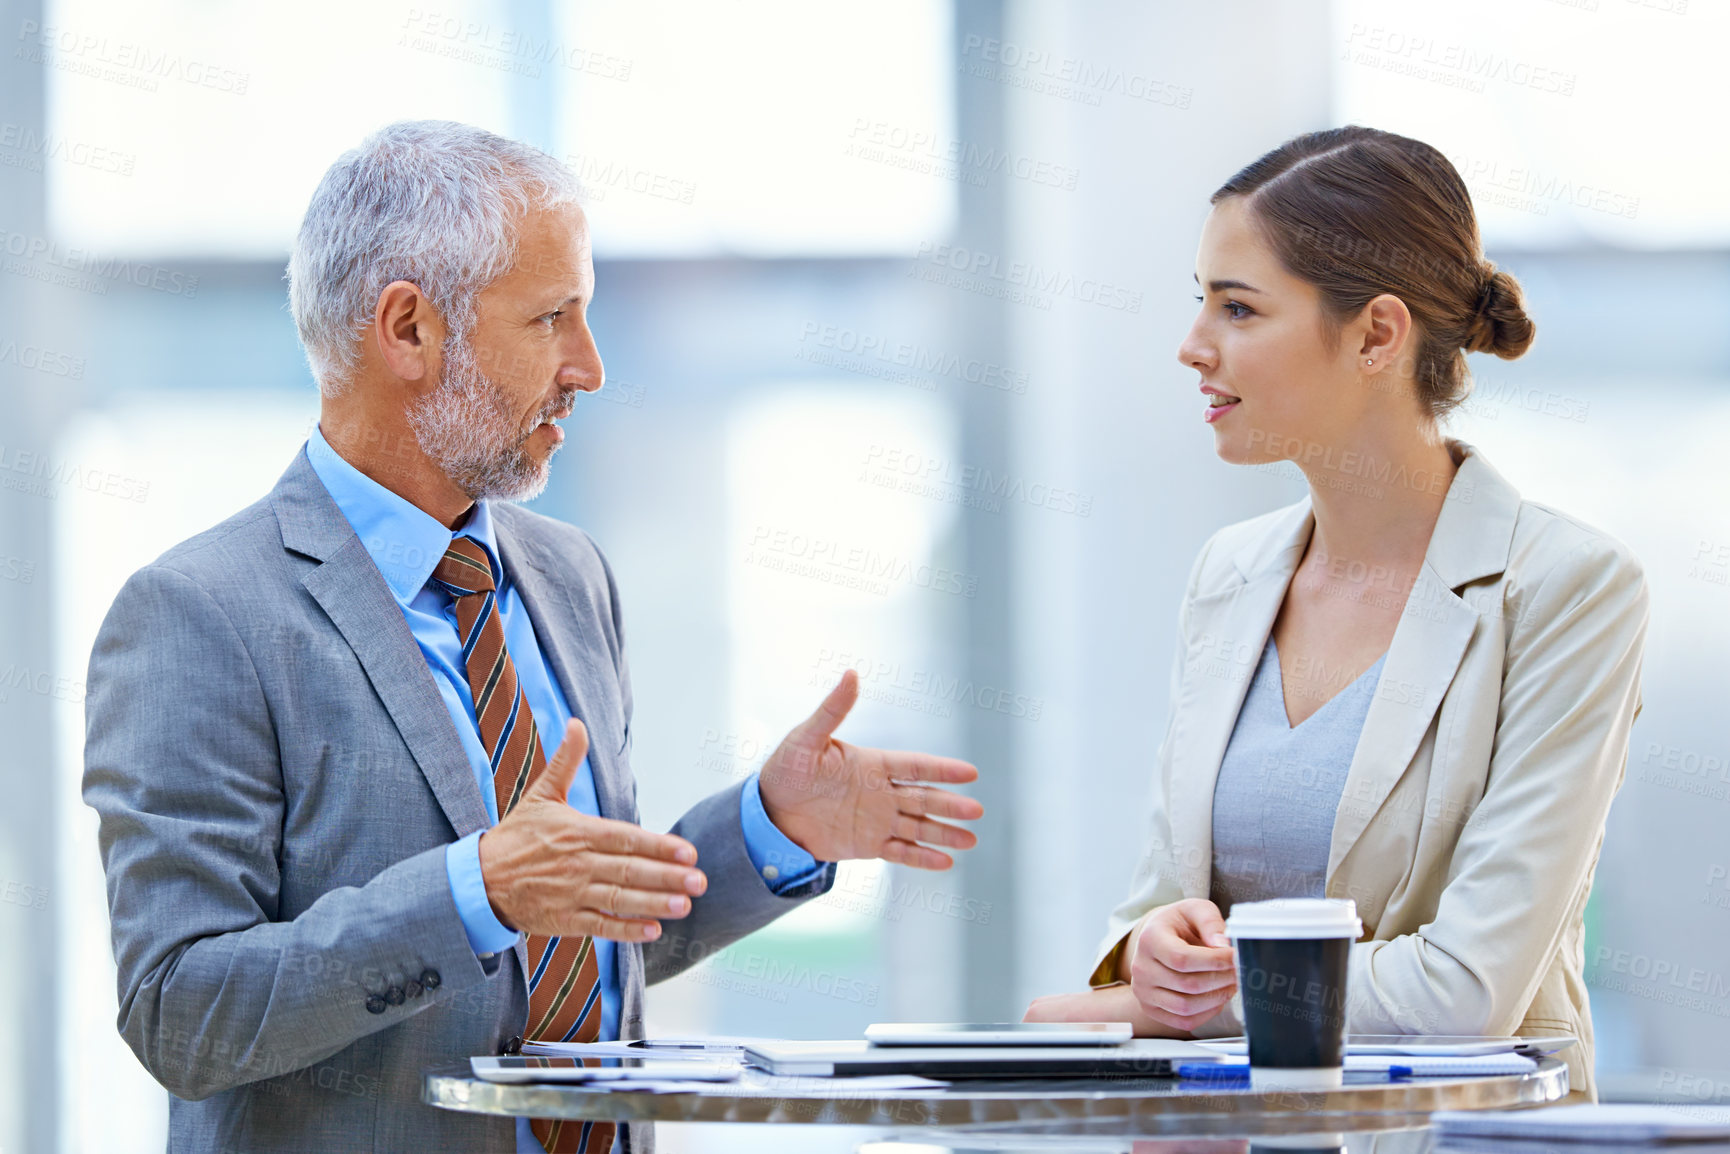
pixel 1236 311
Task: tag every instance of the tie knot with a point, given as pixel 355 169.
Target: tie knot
pixel 465 567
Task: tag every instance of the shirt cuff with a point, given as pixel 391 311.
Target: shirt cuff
pixel 487 935
pixel 778 859
pixel 1105 973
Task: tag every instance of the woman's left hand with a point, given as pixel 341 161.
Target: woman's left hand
pixel 1104 1004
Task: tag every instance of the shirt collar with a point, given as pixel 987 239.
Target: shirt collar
pixel 403 540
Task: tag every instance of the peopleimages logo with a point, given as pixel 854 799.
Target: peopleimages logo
pixel 1065 77
pixel 928 475
pixel 908 362
pixel 78 260
pixel 924 690
pixel 928 153
pixel 837 563
pixel 1015 281
pixel 126 62
pixel 1660 979
pixel 35 472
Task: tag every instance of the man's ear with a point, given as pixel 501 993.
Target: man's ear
pixel 407 331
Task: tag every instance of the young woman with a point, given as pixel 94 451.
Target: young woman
pixel 1412 688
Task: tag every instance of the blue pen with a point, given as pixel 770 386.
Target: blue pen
pixel 1239 1071
pixel 1213 1071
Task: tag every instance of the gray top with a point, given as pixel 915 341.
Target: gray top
pixel 1279 787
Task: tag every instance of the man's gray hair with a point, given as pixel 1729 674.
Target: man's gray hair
pixel 432 202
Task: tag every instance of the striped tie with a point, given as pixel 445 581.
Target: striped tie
pixel 564 978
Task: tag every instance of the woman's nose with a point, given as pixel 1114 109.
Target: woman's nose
pixel 1194 352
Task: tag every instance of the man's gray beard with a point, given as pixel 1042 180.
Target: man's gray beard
pixel 469 433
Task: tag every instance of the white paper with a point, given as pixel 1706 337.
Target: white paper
pixel 814 1087
pixel 1613 1122
pixel 624 1050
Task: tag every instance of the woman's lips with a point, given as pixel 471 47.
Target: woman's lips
pixel 1218 406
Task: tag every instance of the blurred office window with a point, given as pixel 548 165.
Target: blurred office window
pixel 164 494
pixel 832 563
pixel 209 124
pixel 1574 122
pixel 695 129
pixel 773 128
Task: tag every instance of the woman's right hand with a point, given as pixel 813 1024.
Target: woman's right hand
pixel 1179 963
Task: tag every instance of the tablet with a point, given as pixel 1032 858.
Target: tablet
pixel 518 1069
pixel 998 1033
pixel 1136 1058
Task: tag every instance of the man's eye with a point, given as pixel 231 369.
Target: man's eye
pixel 554 315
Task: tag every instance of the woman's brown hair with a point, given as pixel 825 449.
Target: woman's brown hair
pixel 1358 212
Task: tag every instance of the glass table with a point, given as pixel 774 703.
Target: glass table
pixel 1146 1115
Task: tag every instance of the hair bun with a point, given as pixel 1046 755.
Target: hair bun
pixel 1499 324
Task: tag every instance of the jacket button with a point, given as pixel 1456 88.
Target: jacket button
pixel 394 996
pixel 512 1046
pixel 374 1004
pixel 430 979
pixel 412 988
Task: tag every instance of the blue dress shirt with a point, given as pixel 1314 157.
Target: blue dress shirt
pixel 406 543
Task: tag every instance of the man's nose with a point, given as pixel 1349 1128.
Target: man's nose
pixel 584 369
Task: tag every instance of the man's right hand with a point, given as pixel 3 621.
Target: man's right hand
pixel 1178 963
pixel 551 869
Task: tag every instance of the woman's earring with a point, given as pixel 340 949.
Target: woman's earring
pixel 1369 360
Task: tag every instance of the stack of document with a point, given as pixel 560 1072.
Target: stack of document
pixel 760 1085
pixel 1412 1056
pixel 1615 1123
pixel 708 1053
pixel 1402 1066
pixel 706 1047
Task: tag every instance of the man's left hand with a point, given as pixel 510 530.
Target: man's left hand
pixel 841 801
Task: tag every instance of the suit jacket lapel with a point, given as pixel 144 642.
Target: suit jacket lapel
pixel 1470 542
pixel 354 595
pixel 1228 629
pixel 1425 653
pixel 558 607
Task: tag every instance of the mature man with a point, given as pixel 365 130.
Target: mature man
pixel 336 850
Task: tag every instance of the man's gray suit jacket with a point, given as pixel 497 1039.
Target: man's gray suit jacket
pixel 277 777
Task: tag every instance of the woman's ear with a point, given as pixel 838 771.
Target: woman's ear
pixel 1387 331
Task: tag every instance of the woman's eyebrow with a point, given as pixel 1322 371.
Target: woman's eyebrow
pixel 1218 286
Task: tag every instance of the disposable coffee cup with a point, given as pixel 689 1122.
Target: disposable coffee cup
pixel 1292 956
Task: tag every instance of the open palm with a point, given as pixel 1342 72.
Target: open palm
pixel 841 801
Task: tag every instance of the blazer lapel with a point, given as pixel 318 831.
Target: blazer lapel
pixel 1470 541
pixel 1426 650
pixel 558 607
pixel 1228 629
pixel 350 589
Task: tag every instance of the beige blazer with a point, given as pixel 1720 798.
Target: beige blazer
pixel 1475 804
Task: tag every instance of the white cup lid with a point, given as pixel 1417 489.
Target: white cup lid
pixel 1295 918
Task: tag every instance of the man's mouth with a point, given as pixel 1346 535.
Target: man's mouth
pixel 563 409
